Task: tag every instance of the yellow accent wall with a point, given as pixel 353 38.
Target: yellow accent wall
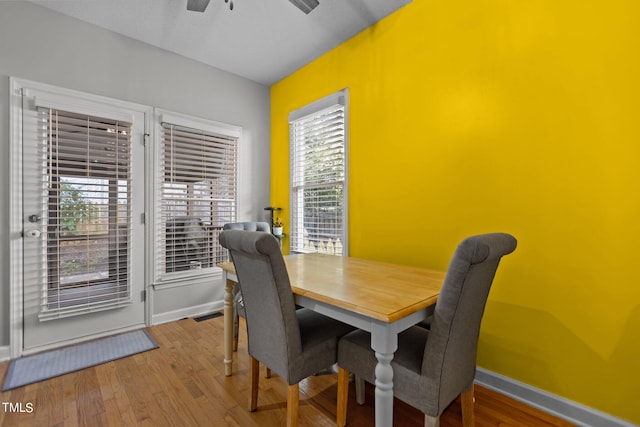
pixel 523 116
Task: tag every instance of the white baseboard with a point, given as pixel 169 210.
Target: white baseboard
pixel 566 409
pixel 197 310
pixel 5 354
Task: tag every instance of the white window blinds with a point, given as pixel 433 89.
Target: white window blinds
pixel 86 181
pixel 318 178
pixel 197 197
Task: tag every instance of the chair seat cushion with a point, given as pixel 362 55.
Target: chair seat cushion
pixel 355 355
pixel 319 338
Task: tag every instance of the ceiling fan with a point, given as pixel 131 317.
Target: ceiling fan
pixel 200 5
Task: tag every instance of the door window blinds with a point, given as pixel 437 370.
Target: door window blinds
pixel 86 182
pixel 318 165
pixel 197 197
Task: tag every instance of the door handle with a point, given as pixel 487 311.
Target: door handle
pixel 34 218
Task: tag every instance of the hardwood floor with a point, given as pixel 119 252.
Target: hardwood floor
pixel 183 384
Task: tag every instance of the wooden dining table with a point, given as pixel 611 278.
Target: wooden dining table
pixel 381 298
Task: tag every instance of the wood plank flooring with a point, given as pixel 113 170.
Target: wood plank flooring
pixel 183 384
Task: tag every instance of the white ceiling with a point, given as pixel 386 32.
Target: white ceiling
pixel 262 40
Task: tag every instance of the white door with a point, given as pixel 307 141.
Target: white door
pixel 82 204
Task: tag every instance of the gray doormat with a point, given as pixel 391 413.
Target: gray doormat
pixel 53 363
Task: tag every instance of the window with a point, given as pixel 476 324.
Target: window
pixel 197 193
pixel 87 209
pixel 318 140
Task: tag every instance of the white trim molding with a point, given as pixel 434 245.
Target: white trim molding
pixel 15 218
pixel 5 353
pixel 566 409
pixel 211 278
pixel 183 313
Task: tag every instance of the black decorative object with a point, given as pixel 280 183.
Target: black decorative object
pixel 272 209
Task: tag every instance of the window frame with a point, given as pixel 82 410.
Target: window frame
pixel 161 278
pixel 340 97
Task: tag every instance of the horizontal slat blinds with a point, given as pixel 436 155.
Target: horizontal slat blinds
pixel 197 197
pixel 318 181
pixel 86 211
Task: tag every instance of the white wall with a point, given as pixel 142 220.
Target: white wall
pixel 41 45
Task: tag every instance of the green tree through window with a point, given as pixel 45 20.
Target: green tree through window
pixel 74 208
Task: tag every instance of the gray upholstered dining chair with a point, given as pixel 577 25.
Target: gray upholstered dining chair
pixel 431 367
pixel 238 304
pixel 293 343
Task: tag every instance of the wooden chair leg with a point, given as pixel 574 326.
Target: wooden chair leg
pixel 359 390
pixel 268 373
pixel 254 375
pixel 430 421
pixel 468 418
pixel 343 397
pixel 468 400
pixel 236 327
pixel 293 401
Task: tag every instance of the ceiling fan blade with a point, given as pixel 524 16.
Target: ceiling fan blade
pixel 305 5
pixel 197 5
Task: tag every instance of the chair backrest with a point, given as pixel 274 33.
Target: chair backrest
pixel 449 362
pixel 272 325
pixel 248 226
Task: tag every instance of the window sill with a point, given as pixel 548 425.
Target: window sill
pixel 189 278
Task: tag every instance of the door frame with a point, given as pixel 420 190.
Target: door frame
pixel 16 212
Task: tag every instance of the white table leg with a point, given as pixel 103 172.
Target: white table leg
pixel 228 324
pixel 384 342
